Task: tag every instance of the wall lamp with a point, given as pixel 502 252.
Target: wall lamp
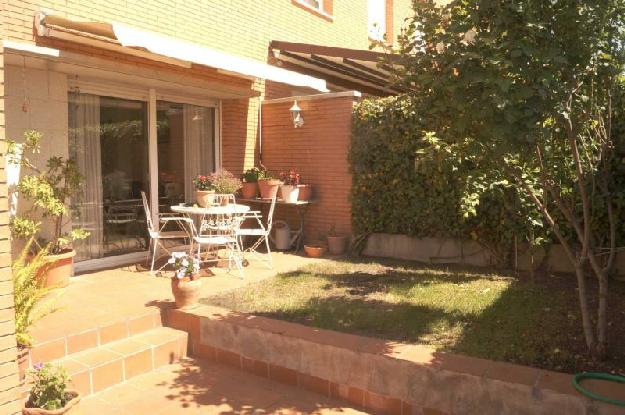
pixel 296 115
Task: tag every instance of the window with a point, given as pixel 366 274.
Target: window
pixel 377 19
pixel 315 4
pixel 321 8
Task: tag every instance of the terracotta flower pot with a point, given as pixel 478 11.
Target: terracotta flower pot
pixel 336 244
pixel 289 193
pixel 58 269
pixel 305 192
pixel 249 190
pixel 314 251
pixel 186 292
pixel 205 198
pixel 73 400
pixel 268 188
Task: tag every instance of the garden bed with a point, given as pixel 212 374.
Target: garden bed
pixel 467 311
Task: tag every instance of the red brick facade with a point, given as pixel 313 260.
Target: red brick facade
pixel 318 151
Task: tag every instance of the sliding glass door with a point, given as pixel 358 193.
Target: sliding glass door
pixel 109 140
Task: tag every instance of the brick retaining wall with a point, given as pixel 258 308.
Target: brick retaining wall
pixel 382 376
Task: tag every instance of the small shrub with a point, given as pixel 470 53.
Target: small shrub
pixel 49 390
pixel 224 182
pixel 29 293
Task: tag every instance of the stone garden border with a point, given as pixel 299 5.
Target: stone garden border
pixel 381 376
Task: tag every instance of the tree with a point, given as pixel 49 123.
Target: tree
pixel 523 90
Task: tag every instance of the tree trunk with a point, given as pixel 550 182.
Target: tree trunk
pixel 587 325
pixel 602 318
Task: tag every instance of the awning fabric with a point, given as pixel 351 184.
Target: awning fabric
pixel 132 38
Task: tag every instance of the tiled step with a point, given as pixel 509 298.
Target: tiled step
pixel 101 367
pixel 56 346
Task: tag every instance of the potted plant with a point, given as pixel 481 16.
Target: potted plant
pixel 204 191
pixel 185 284
pixel 224 184
pixel 48 190
pixel 30 299
pixel 305 192
pixel 268 186
pixel 249 189
pixel 289 189
pixel 314 250
pixel 336 243
pixel 49 394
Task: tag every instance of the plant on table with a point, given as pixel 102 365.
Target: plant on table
pixel 204 190
pixel 225 184
pixel 48 189
pixel 249 188
pixel 268 185
pixel 49 392
pixel 289 189
pixel 185 284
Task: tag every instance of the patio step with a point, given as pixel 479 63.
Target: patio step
pixel 115 362
pixel 54 345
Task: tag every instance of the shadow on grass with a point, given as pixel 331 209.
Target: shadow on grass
pixel 521 322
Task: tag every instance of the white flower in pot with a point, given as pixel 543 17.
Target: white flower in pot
pixel 290 189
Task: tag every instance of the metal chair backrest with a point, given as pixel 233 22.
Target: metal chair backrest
pixel 148 215
pixel 272 207
pixel 224 199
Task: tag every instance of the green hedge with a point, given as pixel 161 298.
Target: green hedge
pixel 393 193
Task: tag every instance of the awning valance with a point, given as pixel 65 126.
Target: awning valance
pixel 126 39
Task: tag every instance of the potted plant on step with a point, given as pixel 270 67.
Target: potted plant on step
pixel 48 190
pixel 268 186
pixel 185 284
pixel 336 242
pixel 249 189
pixel 289 189
pixel 204 191
pixel 49 394
pixel 30 299
pixel 225 184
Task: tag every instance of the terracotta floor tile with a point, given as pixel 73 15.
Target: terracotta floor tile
pixel 138 364
pixel 106 375
pixel 96 357
pixel 82 341
pixel 46 352
pixel 114 331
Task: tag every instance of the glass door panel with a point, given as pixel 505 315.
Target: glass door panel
pixel 186 148
pixel 108 140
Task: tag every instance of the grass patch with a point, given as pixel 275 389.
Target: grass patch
pixel 490 315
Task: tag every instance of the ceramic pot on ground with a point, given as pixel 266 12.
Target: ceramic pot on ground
pixel 314 251
pixel 305 192
pixel 205 198
pixel 186 292
pixel 57 269
pixel 73 398
pixel 268 188
pixel 336 244
pixel 289 193
pixel 249 190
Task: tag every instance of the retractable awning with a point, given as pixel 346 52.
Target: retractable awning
pixel 342 68
pixel 126 39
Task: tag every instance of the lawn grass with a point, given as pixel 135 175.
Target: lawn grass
pixel 468 311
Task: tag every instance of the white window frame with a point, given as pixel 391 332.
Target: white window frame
pixel 319 8
pixel 149 96
pixel 378 32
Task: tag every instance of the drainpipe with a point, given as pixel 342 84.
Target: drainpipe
pixel 260 131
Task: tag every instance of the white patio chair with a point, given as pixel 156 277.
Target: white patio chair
pixel 261 232
pixel 220 232
pixel 158 235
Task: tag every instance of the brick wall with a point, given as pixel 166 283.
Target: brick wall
pixel 318 151
pixel 9 381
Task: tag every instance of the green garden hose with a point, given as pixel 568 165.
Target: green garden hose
pixel 577 379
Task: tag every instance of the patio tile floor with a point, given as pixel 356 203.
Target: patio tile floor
pixel 105 299
pixel 201 387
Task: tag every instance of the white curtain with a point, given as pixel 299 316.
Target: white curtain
pixel 84 146
pixel 199 145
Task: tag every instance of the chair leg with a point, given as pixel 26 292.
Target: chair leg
pixel 268 251
pixel 154 251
